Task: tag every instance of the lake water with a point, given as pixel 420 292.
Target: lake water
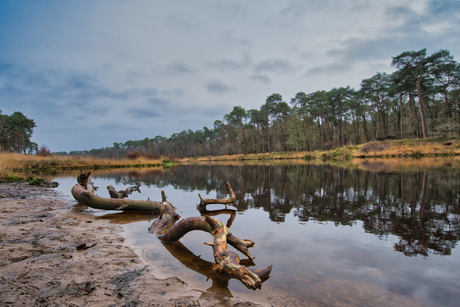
pixel 375 234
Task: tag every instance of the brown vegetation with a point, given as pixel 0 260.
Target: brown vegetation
pixel 43 151
pixel 11 163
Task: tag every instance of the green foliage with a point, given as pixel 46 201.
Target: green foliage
pixel 15 133
pixel 13 177
pixel 41 182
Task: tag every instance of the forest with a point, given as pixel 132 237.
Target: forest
pixel 420 99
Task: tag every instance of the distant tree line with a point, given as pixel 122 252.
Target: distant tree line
pixel 15 133
pixel 419 100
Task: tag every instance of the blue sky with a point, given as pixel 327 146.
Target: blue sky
pixel 91 73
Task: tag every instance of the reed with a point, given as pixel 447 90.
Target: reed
pixel 8 163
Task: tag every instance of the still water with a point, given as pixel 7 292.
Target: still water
pixel 336 236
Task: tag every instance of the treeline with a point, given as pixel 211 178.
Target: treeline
pixel 420 99
pixel 15 133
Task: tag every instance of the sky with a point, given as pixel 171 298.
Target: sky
pixel 91 73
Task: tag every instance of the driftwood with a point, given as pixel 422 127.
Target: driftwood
pixel 169 229
pixel 206 201
pixel 82 178
pixel 227 262
pixel 231 212
pixel 84 196
pixel 123 193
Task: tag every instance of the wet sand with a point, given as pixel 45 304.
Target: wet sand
pixel 50 256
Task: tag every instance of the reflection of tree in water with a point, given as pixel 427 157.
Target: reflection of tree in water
pixel 421 208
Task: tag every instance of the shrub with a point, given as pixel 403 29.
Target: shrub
pixel 43 151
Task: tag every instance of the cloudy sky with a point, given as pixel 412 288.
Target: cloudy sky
pixel 91 73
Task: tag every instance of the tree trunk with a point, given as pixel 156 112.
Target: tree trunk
pixel 267 132
pixel 342 129
pixel 420 101
pixel 380 117
pixel 244 138
pixel 449 114
pixel 366 133
pixel 89 199
pixel 401 120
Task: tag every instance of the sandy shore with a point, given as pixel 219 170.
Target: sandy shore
pixel 51 257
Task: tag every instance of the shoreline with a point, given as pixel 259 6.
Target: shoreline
pixel 51 256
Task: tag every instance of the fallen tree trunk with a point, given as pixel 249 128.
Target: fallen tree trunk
pixel 91 200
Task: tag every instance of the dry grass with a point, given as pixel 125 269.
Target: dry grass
pixel 10 163
pixel 419 147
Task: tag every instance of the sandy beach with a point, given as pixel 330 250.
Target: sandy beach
pixel 50 256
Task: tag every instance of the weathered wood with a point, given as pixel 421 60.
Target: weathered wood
pixel 228 262
pixel 176 231
pixel 114 194
pixel 231 212
pixel 89 199
pixel 82 178
pixel 123 193
pixel 208 201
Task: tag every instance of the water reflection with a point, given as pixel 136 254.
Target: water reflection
pixel 421 208
pixel 203 267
